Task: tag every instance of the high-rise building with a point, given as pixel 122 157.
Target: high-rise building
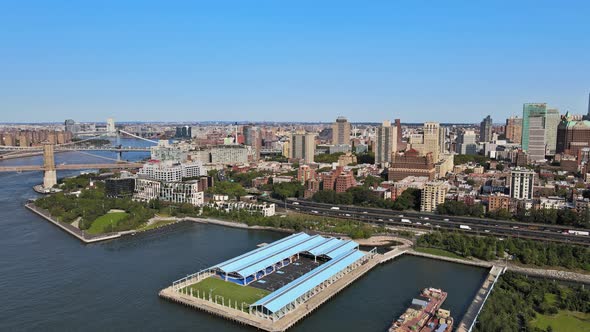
pixel 385 143
pixel 411 163
pixel 302 146
pixel 533 130
pixel 514 129
pixel 398 127
pixel 253 138
pixel 466 142
pixel 572 136
pixel 587 116
pixel 111 130
pixel 183 132
pixel 433 194
pixel 341 131
pixel 72 126
pixel 521 183
pixel 485 129
pixel 428 141
pixel 552 119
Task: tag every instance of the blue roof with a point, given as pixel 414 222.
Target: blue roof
pixel 261 258
pixel 290 292
pixel 234 264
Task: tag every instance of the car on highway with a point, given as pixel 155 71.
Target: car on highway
pixel 295 203
pixel 334 208
pixel 314 211
pixel 347 214
pixel 406 221
pixel 418 223
pixel 486 230
pixel 446 219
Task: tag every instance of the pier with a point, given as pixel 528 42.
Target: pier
pixel 470 317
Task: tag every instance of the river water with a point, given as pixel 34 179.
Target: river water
pixel 50 281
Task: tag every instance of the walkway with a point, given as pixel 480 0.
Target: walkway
pixel 478 302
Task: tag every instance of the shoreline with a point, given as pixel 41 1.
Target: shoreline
pixel 568 276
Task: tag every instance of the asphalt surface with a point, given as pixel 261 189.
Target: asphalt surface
pixel 428 221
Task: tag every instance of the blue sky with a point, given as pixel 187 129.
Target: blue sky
pixel 448 61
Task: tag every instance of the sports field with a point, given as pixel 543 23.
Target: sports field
pixel 103 224
pixel 564 321
pixel 228 290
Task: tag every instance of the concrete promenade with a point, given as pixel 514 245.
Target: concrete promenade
pixel 478 302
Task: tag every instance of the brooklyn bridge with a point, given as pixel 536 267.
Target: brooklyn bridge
pixel 50 168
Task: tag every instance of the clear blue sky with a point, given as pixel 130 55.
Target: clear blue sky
pixel 445 61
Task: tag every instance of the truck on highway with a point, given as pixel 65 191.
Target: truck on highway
pixel 334 208
pixel 584 233
pixel 464 227
pixel 407 221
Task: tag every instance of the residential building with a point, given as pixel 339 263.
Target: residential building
pixel 572 136
pixel 341 131
pixel 498 202
pixel 175 192
pixel 229 154
pixel 170 171
pixel 119 187
pixel 514 129
pixel 302 147
pixel 466 142
pixel 485 129
pixel 521 183
pixel 411 163
pixel 433 194
pixel 265 209
pixel 428 141
pixel 305 173
pixel 385 143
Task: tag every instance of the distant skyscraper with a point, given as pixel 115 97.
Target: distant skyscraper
pixel 533 130
pixel 341 131
pixel 398 127
pixel 111 130
pixel 253 138
pixel 485 129
pixel 70 126
pixel 587 116
pixel 514 129
pixel 466 142
pixel 552 119
pixel 386 142
pixel 302 146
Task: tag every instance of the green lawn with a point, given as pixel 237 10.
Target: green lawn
pixel 438 252
pixel 157 224
pixel 102 224
pixel 228 290
pixel 564 321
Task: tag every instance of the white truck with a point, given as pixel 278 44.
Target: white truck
pixel 465 227
pixel 407 221
pixel 583 233
pixel 334 208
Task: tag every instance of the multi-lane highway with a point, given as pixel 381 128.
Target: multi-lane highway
pixel 425 221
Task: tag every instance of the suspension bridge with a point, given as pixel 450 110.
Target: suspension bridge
pixel 50 168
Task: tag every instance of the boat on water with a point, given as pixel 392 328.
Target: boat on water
pixel 425 314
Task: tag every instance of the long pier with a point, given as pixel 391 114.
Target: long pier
pixel 470 317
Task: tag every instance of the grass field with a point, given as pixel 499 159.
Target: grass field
pixel 157 224
pixel 228 290
pixel 438 252
pixel 564 321
pixel 102 223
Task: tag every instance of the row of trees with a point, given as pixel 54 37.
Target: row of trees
pixel 91 204
pixel 363 196
pixel 354 229
pixel 516 300
pixel 457 208
pixel 524 251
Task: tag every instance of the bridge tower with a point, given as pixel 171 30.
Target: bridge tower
pixel 50 176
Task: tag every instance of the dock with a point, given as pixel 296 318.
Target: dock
pixel 287 321
pixel 470 317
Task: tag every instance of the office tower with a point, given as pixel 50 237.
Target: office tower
pixel 433 194
pixel 572 136
pixel 410 163
pixel 552 119
pixel 385 143
pixel 514 129
pixel 442 140
pixel 253 138
pixel 587 116
pixel 341 131
pixel 431 140
pixel 398 127
pixel 111 131
pixel 485 129
pixel 183 132
pixel 302 146
pixel 69 125
pixel 466 142
pixel 521 183
pixel 533 130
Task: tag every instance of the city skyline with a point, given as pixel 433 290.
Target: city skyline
pixel 196 62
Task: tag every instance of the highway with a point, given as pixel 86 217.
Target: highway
pixel 427 221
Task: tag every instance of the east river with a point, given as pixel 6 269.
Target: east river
pixel 49 281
